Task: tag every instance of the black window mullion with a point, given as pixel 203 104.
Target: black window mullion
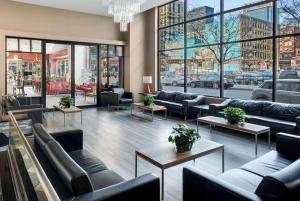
pixel 221 70
pixel 185 47
pixel 274 56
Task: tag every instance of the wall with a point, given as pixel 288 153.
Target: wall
pixel 140 52
pixel 25 20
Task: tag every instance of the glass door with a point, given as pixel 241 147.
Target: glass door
pixel 58 72
pixel 86 64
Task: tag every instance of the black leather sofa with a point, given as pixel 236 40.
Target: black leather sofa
pixel 177 102
pixel 78 175
pixel 203 106
pixel 279 117
pixel 22 103
pixel 273 177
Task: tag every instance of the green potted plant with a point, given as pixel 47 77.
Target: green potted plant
pixel 183 137
pixel 148 100
pixel 235 115
pixel 66 101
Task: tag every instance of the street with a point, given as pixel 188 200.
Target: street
pixel 238 91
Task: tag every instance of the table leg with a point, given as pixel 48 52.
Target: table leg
pixel 81 117
pixel 152 115
pixel 64 120
pixel 135 173
pixel 256 145
pixel 162 183
pixel 269 139
pixel 223 160
pixel 194 162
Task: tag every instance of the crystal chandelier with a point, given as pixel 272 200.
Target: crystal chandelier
pixel 123 11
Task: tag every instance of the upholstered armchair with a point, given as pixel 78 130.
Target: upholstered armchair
pixel 121 98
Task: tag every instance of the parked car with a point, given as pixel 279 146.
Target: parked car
pixel 288 91
pixel 289 74
pixel 247 78
pixel 211 80
pixel 264 75
pixel 174 80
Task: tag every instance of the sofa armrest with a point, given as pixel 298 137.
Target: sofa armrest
pixel 214 108
pixel 288 145
pixel 298 126
pixel 70 140
pixel 198 185
pixel 187 104
pixel 144 188
pixel 128 95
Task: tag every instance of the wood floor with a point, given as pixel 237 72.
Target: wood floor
pixel 114 136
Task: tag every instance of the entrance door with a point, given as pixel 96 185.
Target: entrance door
pixel 58 72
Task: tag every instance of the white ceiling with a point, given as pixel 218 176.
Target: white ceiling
pixel 97 7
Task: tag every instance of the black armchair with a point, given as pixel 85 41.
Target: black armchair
pixel 121 98
pixel 272 177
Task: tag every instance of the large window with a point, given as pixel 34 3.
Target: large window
pixel 23 70
pixel 247 49
pixel 49 70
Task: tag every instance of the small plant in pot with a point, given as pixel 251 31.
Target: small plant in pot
pixel 66 102
pixel 235 115
pixel 183 137
pixel 148 100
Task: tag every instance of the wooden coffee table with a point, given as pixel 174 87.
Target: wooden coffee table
pixel 152 108
pixel 65 111
pixel 164 156
pixel 252 129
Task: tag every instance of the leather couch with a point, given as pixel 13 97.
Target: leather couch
pixel 23 103
pixel 177 102
pixel 78 175
pixel 203 107
pixel 273 177
pixel 280 117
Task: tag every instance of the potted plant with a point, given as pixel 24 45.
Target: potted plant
pixel 183 137
pixel 235 115
pixel 66 101
pixel 148 100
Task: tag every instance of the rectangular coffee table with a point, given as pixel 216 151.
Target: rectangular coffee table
pixel 152 108
pixel 164 156
pixel 65 111
pixel 249 128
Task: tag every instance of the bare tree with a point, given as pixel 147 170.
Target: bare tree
pixel 291 7
pixel 209 34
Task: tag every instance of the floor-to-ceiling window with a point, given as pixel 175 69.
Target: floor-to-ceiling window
pixel 23 70
pixel 245 49
pixel 86 65
pixel 52 69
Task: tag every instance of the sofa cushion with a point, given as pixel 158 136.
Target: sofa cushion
pixel 242 179
pixel 73 176
pixel 87 161
pixel 190 96
pixel 275 124
pixel 281 185
pixel 179 97
pixel 267 164
pixel 125 100
pixel 287 112
pixel 168 96
pixel 250 107
pixel 169 105
pixel 104 179
pixel 41 136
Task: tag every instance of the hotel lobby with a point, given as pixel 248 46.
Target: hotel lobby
pixel 175 100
